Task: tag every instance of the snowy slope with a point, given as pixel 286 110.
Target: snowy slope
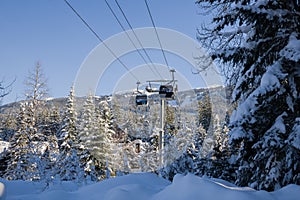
pixel 147 186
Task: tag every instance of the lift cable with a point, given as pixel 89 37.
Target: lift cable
pixel 119 22
pixel 100 39
pixel 163 52
pixel 137 38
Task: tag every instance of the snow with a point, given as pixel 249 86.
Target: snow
pixel 295 135
pixel 269 79
pixel 146 186
pixel 292 50
pixel 3 146
pixel 2 191
pixel 49 99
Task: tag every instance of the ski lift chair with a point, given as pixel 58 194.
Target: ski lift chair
pixel 166 91
pixel 141 99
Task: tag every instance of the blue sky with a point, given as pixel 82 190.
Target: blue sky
pixel 49 32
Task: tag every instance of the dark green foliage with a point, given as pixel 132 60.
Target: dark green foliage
pixel 204 111
pixel 258 44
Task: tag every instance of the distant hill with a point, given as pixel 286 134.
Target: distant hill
pixel 48 103
pixel 188 98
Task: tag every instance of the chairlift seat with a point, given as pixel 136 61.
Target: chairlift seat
pixel 141 99
pixel 166 91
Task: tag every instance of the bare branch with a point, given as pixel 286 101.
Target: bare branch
pixel 36 84
pixel 5 89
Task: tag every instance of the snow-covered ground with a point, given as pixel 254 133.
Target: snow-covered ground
pixel 3 145
pixel 146 186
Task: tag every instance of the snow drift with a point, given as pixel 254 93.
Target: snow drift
pixel 146 186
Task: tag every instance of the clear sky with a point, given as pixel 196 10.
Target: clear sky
pixel 49 32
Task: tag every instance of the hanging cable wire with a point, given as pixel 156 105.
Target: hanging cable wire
pixel 132 42
pixel 163 52
pixel 137 38
pixel 100 39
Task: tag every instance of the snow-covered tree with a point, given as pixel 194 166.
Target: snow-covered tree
pixel 258 41
pixel 180 153
pixel 204 111
pixel 178 144
pixel 68 164
pixel 292 163
pixel 18 149
pixel 215 139
pixel 215 160
pixel 130 157
pixel 116 109
pixel 49 121
pixel 4 159
pixel 170 121
pixel 23 154
pixel 88 136
pixel 8 126
pixel 48 128
pixel 149 157
pixel 103 147
pixel 87 125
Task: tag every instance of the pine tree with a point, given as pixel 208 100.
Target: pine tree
pixel 170 120
pixel 204 111
pixel 88 136
pixel 68 166
pixel 180 154
pixel 149 157
pixel 23 163
pixel 48 128
pixel 18 148
pixel 101 147
pixel 131 158
pixel 4 159
pixel 216 161
pixel 87 121
pixel 33 118
pixel 8 126
pixel 116 109
pixel 266 60
pixel 35 143
pixel 292 163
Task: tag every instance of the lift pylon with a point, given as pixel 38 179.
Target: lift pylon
pixel 167 91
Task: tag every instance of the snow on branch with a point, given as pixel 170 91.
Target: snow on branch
pixel 292 49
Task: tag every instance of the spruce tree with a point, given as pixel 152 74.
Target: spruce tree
pixel 258 43
pixel 23 152
pixel 68 161
pixel 180 154
pixel 204 111
pixel 48 128
pixel 88 135
pixel 149 157
pixel 100 140
pixel 8 126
